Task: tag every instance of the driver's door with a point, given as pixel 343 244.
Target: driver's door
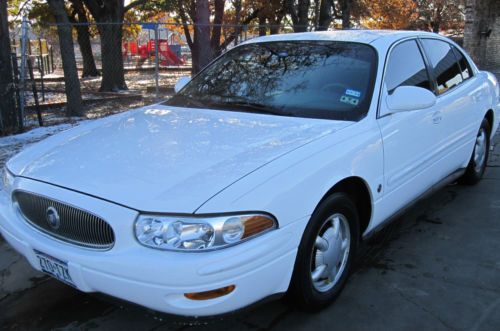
pixel 410 138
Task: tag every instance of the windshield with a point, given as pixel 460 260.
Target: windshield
pixel 314 79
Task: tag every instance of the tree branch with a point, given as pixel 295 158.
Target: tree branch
pixel 231 38
pixel 94 8
pixel 185 26
pixel 133 4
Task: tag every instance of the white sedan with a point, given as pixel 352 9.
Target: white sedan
pixel 260 176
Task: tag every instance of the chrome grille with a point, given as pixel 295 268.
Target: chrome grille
pixel 75 225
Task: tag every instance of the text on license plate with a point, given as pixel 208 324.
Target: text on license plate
pixel 54 267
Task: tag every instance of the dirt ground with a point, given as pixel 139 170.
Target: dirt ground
pixel 141 91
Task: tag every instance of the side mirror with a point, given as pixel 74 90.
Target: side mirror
pixel 181 82
pixel 406 98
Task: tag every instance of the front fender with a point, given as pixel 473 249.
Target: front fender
pixel 291 187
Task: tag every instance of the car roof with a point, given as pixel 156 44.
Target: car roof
pixel 361 36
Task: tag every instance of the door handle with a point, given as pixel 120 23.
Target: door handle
pixel 437 117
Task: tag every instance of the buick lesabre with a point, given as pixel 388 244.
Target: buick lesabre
pixel 260 176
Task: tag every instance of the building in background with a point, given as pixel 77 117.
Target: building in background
pixel 482 32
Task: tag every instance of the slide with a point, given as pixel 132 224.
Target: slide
pixel 168 57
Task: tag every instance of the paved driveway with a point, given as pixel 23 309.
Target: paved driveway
pixel 437 268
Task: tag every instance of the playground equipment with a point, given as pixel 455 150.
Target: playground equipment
pixel 144 49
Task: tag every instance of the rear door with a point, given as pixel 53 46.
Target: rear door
pixel 457 101
pixel 410 138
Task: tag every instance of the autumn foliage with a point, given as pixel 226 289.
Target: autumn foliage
pixel 390 14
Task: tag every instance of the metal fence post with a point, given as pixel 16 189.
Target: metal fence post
pixel 24 60
pixel 157 62
pixel 41 67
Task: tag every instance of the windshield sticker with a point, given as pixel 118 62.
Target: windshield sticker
pixel 349 100
pixel 353 93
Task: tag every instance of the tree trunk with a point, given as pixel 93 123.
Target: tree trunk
pixel 275 20
pixel 113 74
pixel 437 19
pixel 346 14
pixel 202 50
pixel 262 25
pixel 303 16
pixel 71 82
pixel 109 17
pixel 325 15
pixel 83 37
pixel 436 26
pixel 8 121
pixel 481 34
pixel 275 28
pixel 237 9
pixel 217 26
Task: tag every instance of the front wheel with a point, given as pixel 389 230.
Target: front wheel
pixel 326 253
pixel 477 164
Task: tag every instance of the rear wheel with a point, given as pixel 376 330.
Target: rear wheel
pixel 477 164
pixel 326 252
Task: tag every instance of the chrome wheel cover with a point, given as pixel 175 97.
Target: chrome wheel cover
pixel 480 151
pixel 330 252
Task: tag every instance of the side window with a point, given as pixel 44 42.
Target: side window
pixel 406 67
pixel 463 63
pixel 444 63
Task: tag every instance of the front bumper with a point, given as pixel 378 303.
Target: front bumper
pixel 157 279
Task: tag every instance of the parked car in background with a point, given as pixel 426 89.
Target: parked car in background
pixel 260 176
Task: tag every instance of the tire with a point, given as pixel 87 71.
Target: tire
pixel 312 255
pixel 479 159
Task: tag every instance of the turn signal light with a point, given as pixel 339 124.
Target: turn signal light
pixel 210 294
pixel 256 224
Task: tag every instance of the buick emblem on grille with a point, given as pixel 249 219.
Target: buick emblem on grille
pixel 52 217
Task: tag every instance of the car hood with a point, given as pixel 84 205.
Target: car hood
pixel 165 159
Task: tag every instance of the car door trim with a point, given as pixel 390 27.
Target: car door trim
pixel 384 72
pixel 431 190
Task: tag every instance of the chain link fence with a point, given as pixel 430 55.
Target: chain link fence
pixel 119 66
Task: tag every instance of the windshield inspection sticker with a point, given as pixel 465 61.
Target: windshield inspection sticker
pixel 349 100
pixel 353 93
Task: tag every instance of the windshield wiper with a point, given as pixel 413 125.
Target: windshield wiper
pixel 184 100
pixel 253 107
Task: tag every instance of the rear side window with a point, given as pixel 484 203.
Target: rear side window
pixel 463 63
pixel 444 64
pixel 406 67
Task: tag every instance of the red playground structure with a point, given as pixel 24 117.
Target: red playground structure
pixel 169 51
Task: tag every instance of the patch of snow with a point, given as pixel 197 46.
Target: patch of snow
pixel 34 135
pixel 11 145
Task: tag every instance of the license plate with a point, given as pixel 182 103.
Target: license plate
pixel 54 267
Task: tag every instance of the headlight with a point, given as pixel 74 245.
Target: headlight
pixel 7 180
pixel 200 233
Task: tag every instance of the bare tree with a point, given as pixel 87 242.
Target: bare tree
pixel 72 84
pixel 324 12
pixel 205 43
pixel 299 12
pixel 7 105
